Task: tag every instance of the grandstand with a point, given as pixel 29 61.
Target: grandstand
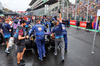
pixel 1 10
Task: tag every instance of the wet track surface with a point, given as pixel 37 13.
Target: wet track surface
pixel 79 52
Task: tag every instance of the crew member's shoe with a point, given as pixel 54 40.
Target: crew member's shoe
pixel 55 53
pixel 44 55
pixel 6 51
pixel 41 59
pixel 9 48
pixel 20 64
pixel 22 61
pixel 3 43
pixel 65 50
pixel 63 59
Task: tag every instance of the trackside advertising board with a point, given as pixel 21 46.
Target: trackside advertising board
pixel 92 25
pixel 72 22
pixel 83 24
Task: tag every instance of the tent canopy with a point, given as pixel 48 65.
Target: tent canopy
pixel 10 13
pixel 1 12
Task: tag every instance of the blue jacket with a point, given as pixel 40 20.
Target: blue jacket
pixel 58 31
pixel 47 23
pixel 39 30
pixel 6 32
pixel 27 24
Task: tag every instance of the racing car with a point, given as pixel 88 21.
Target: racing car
pixel 48 41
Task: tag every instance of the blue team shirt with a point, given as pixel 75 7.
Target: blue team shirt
pixel 58 31
pixel 6 31
pixel 39 30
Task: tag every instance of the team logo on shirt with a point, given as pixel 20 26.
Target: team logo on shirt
pixel 39 28
pixel 63 28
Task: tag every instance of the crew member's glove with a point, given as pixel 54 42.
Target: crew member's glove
pixel 59 11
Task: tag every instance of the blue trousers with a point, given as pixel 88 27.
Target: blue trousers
pixel 65 40
pixel 41 46
pixel 50 29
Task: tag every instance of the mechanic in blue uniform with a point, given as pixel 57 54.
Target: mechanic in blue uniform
pixel 45 23
pixel 65 36
pixel 27 23
pixel 48 24
pixel 40 38
pixel 6 32
pixel 42 21
pixel 59 36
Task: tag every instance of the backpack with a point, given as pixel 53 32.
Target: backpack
pixel 16 33
pixel 16 41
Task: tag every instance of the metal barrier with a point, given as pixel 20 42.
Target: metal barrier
pixel 39 12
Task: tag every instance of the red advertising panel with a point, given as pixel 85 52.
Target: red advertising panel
pixel 92 25
pixel 83 24
pixel 95 18
pixel 72 22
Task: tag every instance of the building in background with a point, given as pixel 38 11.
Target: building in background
pixel 1 7
pixel 43 7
